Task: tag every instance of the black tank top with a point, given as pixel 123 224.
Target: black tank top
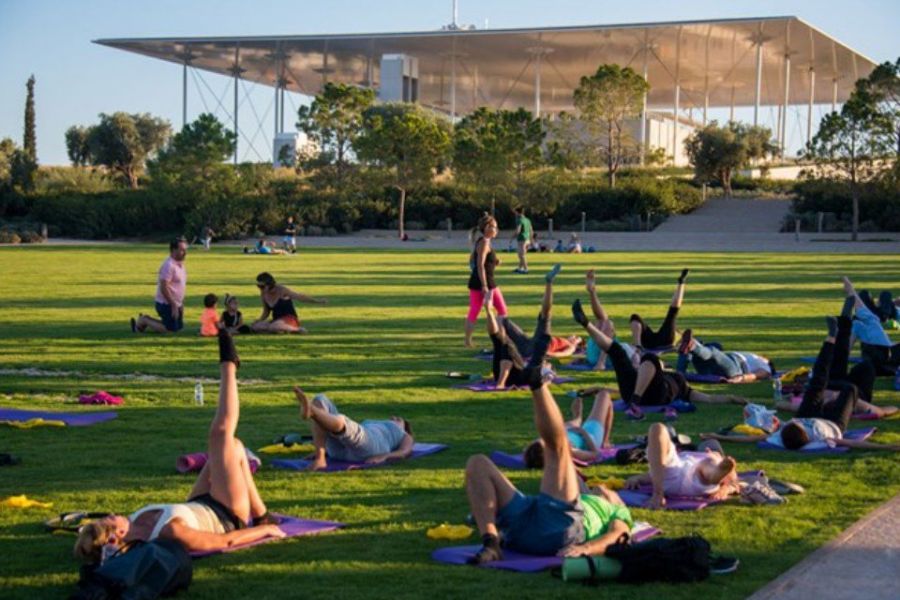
pixel 490 263
pixel 283 308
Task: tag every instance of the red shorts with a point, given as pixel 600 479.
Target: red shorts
pixel 290 320
pixel 557 344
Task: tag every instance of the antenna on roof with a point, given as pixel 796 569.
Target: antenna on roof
pixel 454 25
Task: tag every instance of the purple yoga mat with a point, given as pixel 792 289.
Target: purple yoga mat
pixel 516 561
pixel 517 461
pixel 291 526
pixel 619 406
pixel 698 378
pixel 194 463
pixel 300 464
pixel 487 385
pixel 71 419
pixel 850 434
pixel 639 497
pixel 576 365
pixel 812 359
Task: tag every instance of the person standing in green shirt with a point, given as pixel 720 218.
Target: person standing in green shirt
pixel 523 235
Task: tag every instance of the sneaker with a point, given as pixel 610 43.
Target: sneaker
pixel 685 345
pixel 551 275
pixel 670 414
pixel 722 565
pixel 634 413
pixel 760 493
pixel 786 487
pixel 578 314
pixel 547 374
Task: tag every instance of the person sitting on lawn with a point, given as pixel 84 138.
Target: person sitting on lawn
pixel 586 436
pixel 645 337
pixel 224 508
pixel 648 384
pixel 593 354
pixel 232 319
pixel 507 361
pixel 560 520
pixel 278 301
pixel 209 318
pixel 338 437
pixel 673 473
pixel 736 367
pixel 818 424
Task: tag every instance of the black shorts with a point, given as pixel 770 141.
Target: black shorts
pixel 665 386
pixel 229 521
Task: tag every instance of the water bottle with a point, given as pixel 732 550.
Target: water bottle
pixel 198 394
pixel 776 389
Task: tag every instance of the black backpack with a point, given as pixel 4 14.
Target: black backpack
pixel 146 571
pixel 674 560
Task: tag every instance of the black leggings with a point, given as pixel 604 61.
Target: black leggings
pixel 837 411
pixel 663 388
pixel 862 375
pixel 523 343
pixel 885 358
pixel 662 338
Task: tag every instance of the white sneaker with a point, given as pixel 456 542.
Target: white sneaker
pixel 760 493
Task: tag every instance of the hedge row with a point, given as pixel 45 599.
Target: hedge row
pixel 879 205
pixel 550 194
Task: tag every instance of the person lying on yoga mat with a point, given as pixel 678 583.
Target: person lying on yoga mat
pixel 874 343
pixel 560 520
pixel 507 362
pixel 818 424
pixel 594 355
pixel 586 436
pixel 224 507
pixel 648 384
pixel 278 301
pixel 736 367
pixel 645 337
pixel 887 308
pixel 339 437
pixel 674 473
pixel 560 347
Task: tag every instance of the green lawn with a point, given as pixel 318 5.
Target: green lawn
pixel 381 347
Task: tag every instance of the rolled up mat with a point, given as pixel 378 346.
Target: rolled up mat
pixel 579 568
pixel 193 463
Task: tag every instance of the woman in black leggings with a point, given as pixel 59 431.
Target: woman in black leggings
pixel 664 337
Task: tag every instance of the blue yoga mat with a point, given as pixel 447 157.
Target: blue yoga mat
pixel 71 419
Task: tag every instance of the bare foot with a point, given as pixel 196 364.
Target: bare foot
pixel 887 411
pixel 590 280
pixel 721 470
pixel 848 287
pixel 305 408
pixel 317 465
pixel 469 344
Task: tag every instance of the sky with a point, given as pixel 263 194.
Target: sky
pixel 77 80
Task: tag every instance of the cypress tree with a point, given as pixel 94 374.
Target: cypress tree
pixel 29 144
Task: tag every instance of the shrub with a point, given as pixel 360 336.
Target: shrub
pixel 879 207
pixel 9 237
pixel 29 236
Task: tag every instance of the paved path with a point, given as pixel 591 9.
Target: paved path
pixel 724 215
pixel 863 562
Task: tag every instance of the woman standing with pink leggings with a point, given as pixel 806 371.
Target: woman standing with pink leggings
pixel 482 287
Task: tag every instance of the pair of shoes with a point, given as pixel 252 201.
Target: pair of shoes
pixel 520 271
pixel 634 413
pixel 759 492
pixel 722 565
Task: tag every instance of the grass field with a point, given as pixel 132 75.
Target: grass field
pixel 381 347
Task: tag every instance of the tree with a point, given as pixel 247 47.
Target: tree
pixel 717 152
pixel 8 152
pixel 853 145
pixel 882 88
pixel 123 142
pixel 408 142
pixel 77 145
pixel 25 164
pixel 332 122
pixel 495 148
pixel 605 100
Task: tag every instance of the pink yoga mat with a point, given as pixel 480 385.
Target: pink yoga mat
pixel 291 526
pixel 193 463
pixel 517 461
pixel 487 385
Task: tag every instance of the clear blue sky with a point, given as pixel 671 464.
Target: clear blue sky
pixel 76 79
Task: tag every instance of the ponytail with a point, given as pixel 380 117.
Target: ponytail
pixel 477 232
pixel 91 539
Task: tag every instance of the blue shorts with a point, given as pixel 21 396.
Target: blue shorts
pixel 594 429
pixel 540 525
pixel 165 314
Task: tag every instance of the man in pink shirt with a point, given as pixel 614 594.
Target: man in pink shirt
pixel 170 288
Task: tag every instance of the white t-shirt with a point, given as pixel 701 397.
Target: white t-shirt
pixel 682 476
pixel 195 515
pixel 751 363
pixel 821 432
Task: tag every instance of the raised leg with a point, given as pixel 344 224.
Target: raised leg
pixel 488 490
pixel 559 479
pixel 602 412
pixel 596 306
pixel 659 445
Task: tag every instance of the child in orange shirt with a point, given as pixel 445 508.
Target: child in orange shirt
pixel 209 319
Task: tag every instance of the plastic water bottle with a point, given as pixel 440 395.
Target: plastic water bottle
pixel 776 389
pixel 198 394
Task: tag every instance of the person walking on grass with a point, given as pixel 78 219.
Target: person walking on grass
pixel 523 235
pixel 171 283
pixel 483 262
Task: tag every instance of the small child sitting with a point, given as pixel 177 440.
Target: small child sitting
pixel 232 320
pixel 209 319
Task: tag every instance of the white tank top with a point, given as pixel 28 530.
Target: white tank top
pixel 194 514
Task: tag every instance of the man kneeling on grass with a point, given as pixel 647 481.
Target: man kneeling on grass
pixel 338 437
pixel 560 520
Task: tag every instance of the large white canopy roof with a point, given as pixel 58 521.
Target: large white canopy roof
pixel 499 67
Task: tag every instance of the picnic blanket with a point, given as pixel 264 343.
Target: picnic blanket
pixel 291 526
pixel 524 563
pixel 850 434
pixel 487 385
pixel 72 419
pixel 301 464
pixel 517 461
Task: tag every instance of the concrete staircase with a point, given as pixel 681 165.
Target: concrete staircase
pixel 736 215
